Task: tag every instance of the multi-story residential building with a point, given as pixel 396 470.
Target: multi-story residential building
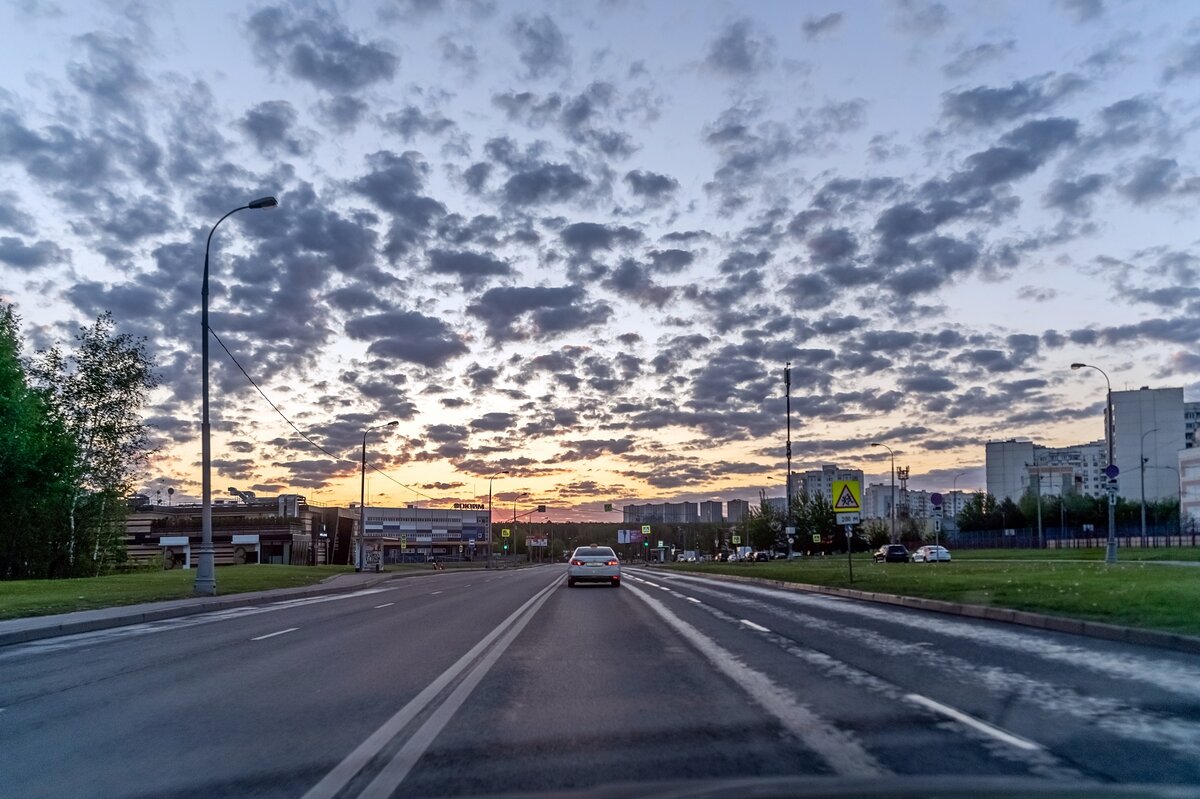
pixel 711 512
pixel 1191 423
pixel 738 509
pixel 819 482
pixel 1007 467
pixel 777 504
pixel 1189 488
pixel 664 513
pixel 878 499
pixel 1148 423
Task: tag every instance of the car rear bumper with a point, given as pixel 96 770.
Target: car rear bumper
pixel 584 574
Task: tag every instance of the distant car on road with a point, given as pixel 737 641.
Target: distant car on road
pixel 594 565
pixel 931 555
pixel 762 557
pixel 891 553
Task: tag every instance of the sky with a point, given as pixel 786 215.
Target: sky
pixel 576 243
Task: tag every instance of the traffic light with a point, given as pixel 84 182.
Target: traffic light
pixel 506 547
pixel 645 543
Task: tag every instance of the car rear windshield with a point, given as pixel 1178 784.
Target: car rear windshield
pixel 584 552
pixel 897 548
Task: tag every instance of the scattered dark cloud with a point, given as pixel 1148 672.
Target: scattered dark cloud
pixel 315 46
pixel 818 27
pixel 537 312
pixel 407 336
pixel 985 105
pixel 271 126
pixel 18 254
pixel 472 269
pixel 540 45
pixel 923 17
pixel 1083 10
pixel 651 186
pixel 973 58
pixel 740 51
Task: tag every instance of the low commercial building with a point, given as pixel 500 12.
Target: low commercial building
pixel 398 535
pixel 287 529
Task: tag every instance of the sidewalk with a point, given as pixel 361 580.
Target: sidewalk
pixel 33 628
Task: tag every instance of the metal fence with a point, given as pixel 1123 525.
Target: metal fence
pixel 1074 538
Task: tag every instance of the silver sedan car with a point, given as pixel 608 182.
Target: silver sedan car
pixel 594 565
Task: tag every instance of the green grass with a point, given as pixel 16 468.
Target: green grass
pixel 1131 593
pixel 1095 554
pixel 40 597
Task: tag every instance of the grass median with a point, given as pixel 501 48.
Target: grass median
pixel 1132 593
pixel 19 598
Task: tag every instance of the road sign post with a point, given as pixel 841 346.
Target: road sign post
pixel 850 550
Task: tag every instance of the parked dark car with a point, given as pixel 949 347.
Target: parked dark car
pixel 891 553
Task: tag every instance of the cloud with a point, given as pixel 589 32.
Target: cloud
pixel 516 313
pixel 985 106
pixel 1083 10
pixel 342 112
pixel 16 253
pixel 817 27
pixel 270 124
pixel 1152 179
pixel 585 238
pixel 972 58
pixel 410 120
pixel 12 217
pixel 314 46
pixel 546 182
pixel 921 16
pixel 651 186
pixel 1184 62
pixel 739 51
pixel 407 336
pixel 1074 196
pixel 473 269
pixel 540 45
pixel 631 279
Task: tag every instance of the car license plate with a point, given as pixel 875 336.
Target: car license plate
pixel 595 565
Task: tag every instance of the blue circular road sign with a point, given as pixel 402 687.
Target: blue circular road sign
pixel 1111 470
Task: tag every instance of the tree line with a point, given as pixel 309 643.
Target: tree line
pixel 72 441
pixel 1073 510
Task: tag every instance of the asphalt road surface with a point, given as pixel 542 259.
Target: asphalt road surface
pixel 486 683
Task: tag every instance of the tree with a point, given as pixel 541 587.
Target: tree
pixel 36 464
pixel 97 394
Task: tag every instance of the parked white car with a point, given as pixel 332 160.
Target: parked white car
pixel 931 554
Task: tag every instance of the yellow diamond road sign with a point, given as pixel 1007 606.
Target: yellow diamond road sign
pixel 847 496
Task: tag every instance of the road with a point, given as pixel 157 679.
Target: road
pixel 482 683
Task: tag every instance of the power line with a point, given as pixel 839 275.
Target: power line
pixel 300 432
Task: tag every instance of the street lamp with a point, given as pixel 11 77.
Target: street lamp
pixel 1038 469
pixel 206 576
pixel 1110 553
pixel 1142 471
pixel 362 498
pixel 514 527
pixel 489 526
pixel 954 499
pixel 892 503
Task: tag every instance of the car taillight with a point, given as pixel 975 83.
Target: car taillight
pixel 577 563
pixel 612 563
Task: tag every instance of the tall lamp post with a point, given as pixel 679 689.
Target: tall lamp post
pixel 362 498
pixel 1142 470
pixel 514 527
pixel 892 502
pixel 1110 552
pixel 787 388
pixel 489 526
pixel 206 576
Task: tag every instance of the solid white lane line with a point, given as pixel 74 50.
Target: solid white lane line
pixel 384 605
pixel 754 626
pixel 971 721
pixel 272 635
pixel 341 774
pixel 837 747
pixel 388 780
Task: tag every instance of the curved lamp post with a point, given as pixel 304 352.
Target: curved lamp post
pixel 892 503
pixel 1110 553
pixel 206 577
pixel 362 498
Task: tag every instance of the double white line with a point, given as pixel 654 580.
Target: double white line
pixel 393 773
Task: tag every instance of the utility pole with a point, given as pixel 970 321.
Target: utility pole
pixel 787 390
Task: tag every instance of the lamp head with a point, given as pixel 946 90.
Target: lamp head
pixel 1078 365
pixel 263 202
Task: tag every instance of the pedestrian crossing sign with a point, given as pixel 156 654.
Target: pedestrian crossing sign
pixel 847 496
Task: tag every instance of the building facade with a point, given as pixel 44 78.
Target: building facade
pixel 1189 489
pixel 819 482
pixel 738 509
pixel 415 534
pixel 1148 423
pixel 662 513
pixel 711 512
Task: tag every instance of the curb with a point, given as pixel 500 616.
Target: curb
pixel 220 603
pixel 1092 629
